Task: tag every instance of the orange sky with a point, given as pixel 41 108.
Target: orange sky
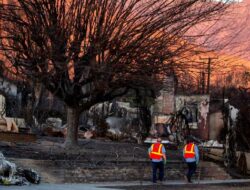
pixel 230 33
pixel 232 43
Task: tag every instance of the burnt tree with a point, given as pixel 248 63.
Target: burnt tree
pixel 90 51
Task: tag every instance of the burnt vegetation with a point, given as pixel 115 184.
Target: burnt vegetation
pixel 90 51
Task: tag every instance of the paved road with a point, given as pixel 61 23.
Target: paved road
pixel 178 185
pixel 56 187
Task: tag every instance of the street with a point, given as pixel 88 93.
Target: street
pixel 242 184
pixel 55 187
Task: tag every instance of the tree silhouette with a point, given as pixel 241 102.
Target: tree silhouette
pixel 90 51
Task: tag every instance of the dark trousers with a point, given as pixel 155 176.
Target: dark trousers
pixel 191 170
pixel 158 166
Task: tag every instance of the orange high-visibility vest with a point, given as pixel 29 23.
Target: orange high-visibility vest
pixel 189 151
pixel 156 151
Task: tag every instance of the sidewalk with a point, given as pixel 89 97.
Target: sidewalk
pixel 182 183
pixel 133 185
pixel 56 187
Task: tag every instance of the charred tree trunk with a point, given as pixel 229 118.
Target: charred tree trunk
pixel 145 116
pixel 73 114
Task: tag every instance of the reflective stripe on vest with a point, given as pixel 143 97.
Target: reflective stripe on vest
pixel 189 151
pixel 156 152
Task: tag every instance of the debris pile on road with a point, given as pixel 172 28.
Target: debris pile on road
pixel 10 174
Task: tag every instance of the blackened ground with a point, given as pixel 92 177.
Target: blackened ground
pixel 52 149
pixel 100 161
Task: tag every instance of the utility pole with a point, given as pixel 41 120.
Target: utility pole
pixel 210 59
pixel 1 4
pixel 208 74
pixel 201 83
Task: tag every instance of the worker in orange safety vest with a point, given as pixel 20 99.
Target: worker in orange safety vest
pixel 157 154
pixel 191 156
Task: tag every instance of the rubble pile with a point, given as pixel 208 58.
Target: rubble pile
pixel 212 144
pixel 10 174
pixel 53 127
pixel 8 125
